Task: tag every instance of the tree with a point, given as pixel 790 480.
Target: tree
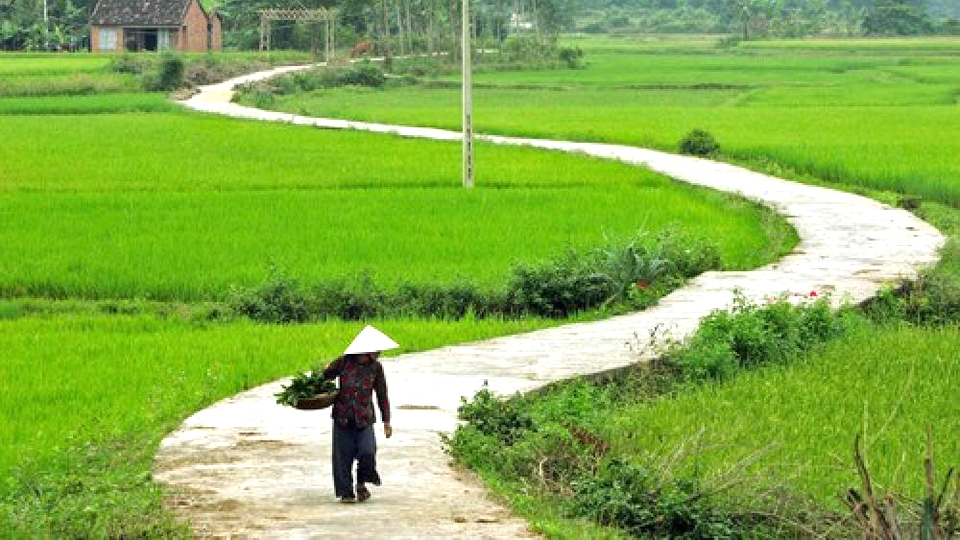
pixel 896 18
pixel 748 13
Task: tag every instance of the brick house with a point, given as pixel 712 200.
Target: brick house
pixel 154 25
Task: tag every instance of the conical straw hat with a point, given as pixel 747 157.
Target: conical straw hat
pixel 370 340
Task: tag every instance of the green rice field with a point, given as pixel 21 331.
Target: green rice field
pixel 142 214
pixel 85 400
pixel 117 194
pixel 883 117
pixel 154 371
pixel 112 198
pixel 80 74
pixel 795 424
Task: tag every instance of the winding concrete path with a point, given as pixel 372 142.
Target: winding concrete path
pixel 246 467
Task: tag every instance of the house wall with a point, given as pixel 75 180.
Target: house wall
pixel 217 33
pixel 190 37
pixel 95 39
pixel 194 31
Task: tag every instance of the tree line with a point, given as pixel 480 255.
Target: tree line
pixel 407 26
pixel 394 26
pixel 774 18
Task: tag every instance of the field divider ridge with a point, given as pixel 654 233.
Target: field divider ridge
pixel 246 467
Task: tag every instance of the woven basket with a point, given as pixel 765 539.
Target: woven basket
pixel 317 402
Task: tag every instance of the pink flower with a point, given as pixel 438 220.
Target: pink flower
pixel 813 294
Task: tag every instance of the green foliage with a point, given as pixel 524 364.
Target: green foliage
pixel 572 57
pixel 792 421
pixel 699 143
pixel 751 335
pixel 640 501
pixel 932 299
pixel 279 299
pixel 92 489
pixel 127 63
pixel 363 74
pixel 618 273
pixel 168 75
pixel 896 18
pixel 504 420
pixel 42 74
pixel 624 453
pixel 305 385
pixel 629 276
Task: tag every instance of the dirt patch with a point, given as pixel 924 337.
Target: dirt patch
pixel 263 444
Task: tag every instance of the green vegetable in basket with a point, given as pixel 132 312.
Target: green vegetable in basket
pixel 305 385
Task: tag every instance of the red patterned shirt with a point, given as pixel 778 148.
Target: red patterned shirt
pixel 358 381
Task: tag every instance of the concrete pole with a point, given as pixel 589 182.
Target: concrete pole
pixel 467 99
pixel 46 27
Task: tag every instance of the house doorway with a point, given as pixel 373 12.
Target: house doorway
pixel 147 39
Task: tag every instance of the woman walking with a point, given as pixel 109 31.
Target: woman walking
pixel 360 375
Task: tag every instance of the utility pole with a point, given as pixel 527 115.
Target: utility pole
pixel 467 99
pixel 46 27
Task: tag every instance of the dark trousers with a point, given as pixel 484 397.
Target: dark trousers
pixel 349 445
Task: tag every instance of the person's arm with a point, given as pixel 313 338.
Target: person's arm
pixel 380 387
pixel 333 370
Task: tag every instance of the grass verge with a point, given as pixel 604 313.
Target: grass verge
pixel 760 449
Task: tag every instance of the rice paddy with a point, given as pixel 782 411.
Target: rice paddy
pixel 84 401
pixel 110 193
pixel 120 195
pixel 144 214
pixel 843 116
pixel 799 421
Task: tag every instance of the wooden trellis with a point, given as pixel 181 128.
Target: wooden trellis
pixel 322 15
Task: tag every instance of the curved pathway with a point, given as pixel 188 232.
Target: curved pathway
pixel 246 467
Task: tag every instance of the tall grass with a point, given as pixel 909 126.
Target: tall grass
pixel 885 384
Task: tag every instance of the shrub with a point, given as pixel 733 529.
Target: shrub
pixel 503 419
pixel 262 97
pixel 169 74
pixel 365 75
pixel 643 503
pixel 627 276
pixel 280 299
pixel 127 63
pixel 752 335
pixel 559 287
pixel 572 57
pixel 551 444
pixel 699 143
pixel 360 298
pixel 933 299
pixel 453 301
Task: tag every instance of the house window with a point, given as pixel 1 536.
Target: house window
pixel 108 39
pixel 163 40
